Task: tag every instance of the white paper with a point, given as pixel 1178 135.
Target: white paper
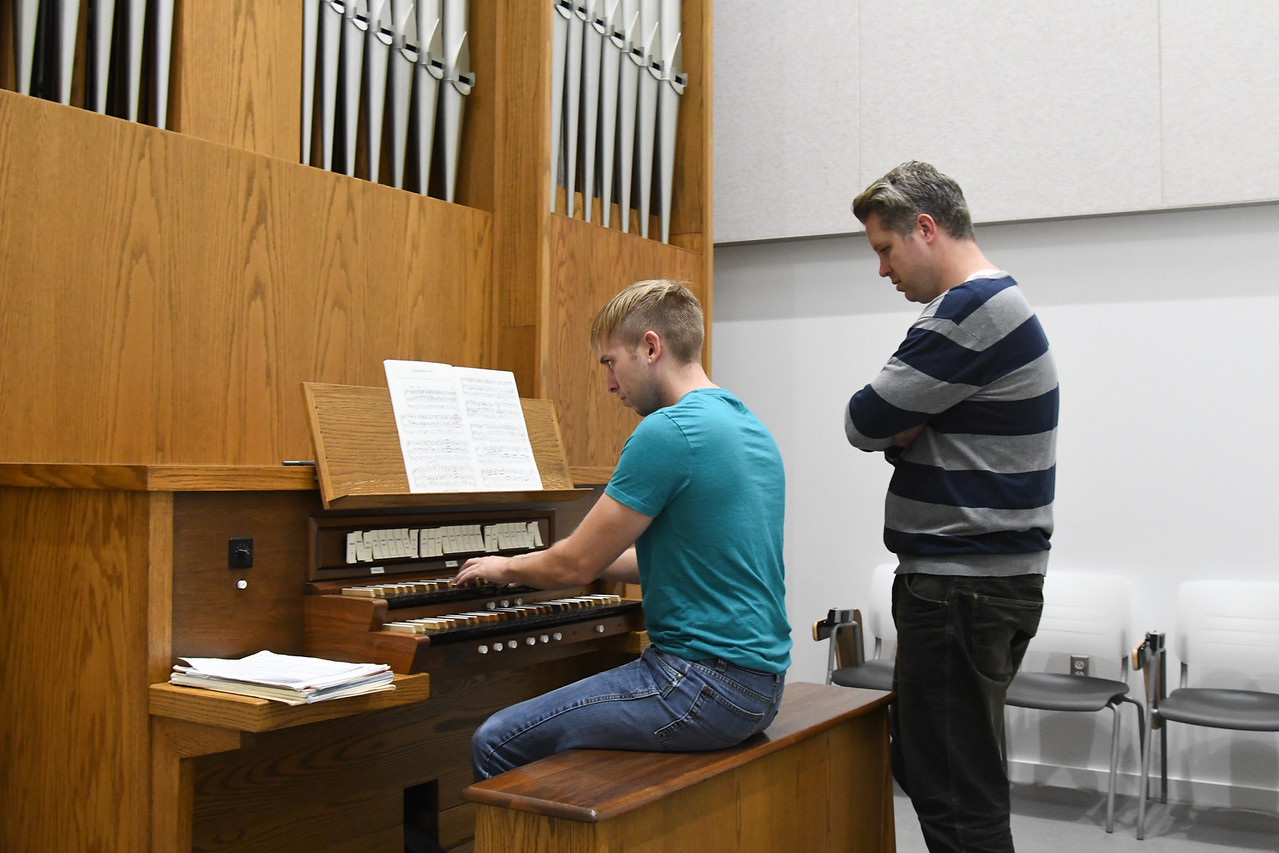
pixel 290 671
pixel 461 429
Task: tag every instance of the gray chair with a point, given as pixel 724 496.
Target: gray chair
pixel 1229 631
pixel 1086 619
pixel 847 663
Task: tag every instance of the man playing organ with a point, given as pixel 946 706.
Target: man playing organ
pixel 693 513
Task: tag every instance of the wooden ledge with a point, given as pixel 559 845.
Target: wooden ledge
pixel 594 785
pixel 416 499
pixel 159 478
pixel 249 714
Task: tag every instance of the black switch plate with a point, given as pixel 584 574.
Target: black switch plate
pixel 240 552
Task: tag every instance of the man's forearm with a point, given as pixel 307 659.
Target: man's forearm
pixel 625 569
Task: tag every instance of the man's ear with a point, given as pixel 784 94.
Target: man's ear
pixel 927 227
pixel 652 343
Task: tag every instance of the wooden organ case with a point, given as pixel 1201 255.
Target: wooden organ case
pixel 164 294
pixel 363 566
pixel 147 555
pixel 388 766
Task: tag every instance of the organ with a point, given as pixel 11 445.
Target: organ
pixel 391 601
pixel 165 294
pixel 378 586
pixel 153 561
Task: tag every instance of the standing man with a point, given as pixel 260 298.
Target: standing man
pixel 694 514
pixel 966 412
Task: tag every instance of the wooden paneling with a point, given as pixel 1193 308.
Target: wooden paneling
pixel 691 203
pixel 522 191
pixel 179 326
pixel 212 617
pixel 237 75
pixel 592 264
pixel 552 272
pixel 73 622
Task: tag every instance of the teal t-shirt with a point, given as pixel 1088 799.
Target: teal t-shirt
pixel 710 476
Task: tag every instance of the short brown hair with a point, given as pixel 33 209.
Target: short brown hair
pixel 661 305
pixel 909 190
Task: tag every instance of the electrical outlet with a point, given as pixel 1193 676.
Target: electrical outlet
pixel 1079 665
pixel 240 552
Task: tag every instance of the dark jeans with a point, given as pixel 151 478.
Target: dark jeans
pixel 959 642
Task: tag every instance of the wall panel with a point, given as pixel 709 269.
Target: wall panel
pixel 786 118
pixel 1039 111
pixel 1220 98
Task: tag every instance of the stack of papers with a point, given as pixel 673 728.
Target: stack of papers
pixel 290 679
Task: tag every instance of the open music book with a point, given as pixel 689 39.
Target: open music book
pixel 291 679
pixel 461 429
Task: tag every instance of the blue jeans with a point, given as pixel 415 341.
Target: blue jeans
pixel 959 643
pixel 659 702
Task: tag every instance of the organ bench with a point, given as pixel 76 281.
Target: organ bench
pixel 817 779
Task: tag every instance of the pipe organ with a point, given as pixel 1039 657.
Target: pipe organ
pixel 178 263
pixel 618 74
pixel 404 67
pixel 99 55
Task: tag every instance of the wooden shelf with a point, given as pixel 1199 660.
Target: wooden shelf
pixel 159 478
pixel 249 714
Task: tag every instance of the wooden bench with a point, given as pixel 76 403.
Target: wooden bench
pixel 818 779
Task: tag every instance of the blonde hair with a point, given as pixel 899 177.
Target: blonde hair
pixel 661 305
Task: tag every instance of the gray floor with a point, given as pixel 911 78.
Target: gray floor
pixel 1062 820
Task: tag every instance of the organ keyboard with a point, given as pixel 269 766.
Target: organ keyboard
pixel 383 593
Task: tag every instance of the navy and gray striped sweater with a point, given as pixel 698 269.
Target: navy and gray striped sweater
pixel 973 494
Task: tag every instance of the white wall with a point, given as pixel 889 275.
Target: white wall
pixel 1163 327
pixel 1037 109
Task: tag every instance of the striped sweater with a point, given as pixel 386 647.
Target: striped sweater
pixel 973 493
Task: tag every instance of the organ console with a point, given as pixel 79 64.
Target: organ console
pixel 156 562
pixel 378 585
pixel 384 593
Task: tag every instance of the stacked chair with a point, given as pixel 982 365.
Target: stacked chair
pixel 1086 616
pixel 1228 633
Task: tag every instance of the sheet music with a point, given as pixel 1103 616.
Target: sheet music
pixel 461 429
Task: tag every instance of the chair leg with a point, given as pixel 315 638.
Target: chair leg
pixel 1114 770
pixel 1143 790
pixel 1163 763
